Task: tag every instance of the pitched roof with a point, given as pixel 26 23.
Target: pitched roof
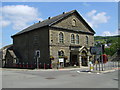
pixel 50 21
pixel 12 53
pixel 3 51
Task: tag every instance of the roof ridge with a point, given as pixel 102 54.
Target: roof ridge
pixel 45 22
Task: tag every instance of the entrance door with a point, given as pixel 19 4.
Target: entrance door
pixel 84 61
pixel 74 60
pixel 84 58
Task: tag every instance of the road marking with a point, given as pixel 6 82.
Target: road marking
pixel 98 73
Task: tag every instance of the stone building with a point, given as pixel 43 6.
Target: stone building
pixel 7 56
pixel 62 40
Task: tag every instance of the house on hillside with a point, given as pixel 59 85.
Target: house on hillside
pixel 62 40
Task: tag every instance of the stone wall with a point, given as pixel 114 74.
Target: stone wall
pixel 26 44
pixel 67 23
pixel 55 46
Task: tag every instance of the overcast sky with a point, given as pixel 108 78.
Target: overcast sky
pixel 101 16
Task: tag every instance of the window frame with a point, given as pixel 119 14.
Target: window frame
pixel 77 39
pixel 61 37
pixel 73 22
pixel 72 38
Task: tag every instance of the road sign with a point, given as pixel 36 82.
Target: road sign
pixel 96 50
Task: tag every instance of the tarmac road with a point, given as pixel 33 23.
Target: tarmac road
pixel 58 79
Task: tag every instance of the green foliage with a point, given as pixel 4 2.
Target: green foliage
pixel 114 40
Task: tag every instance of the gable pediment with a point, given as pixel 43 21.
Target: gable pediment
pixel 74 22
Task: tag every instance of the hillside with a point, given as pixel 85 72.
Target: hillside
pixel 112 41
pixel 107 39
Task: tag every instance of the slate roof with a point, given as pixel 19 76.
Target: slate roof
pixel 49 22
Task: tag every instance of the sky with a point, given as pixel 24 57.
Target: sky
pixel 16 16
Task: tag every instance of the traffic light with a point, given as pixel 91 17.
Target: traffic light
pixel 37 53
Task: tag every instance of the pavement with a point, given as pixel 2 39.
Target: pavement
pixel 82 70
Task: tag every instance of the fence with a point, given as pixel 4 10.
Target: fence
pixel 110 65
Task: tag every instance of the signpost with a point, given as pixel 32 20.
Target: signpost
pixel 37 54
pixel 98 52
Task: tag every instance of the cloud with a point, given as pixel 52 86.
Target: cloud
pixel 108 33
pixel 5 23
pixel 19 16
pixel 94 19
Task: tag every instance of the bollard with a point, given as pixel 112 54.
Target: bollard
pixel 31 65
pixel 39 65
pixel 23 64
pixel 16 65
pixel 51 66
pixel 20 65
pixel 48 66
pixel 27 65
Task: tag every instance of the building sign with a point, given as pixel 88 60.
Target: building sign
pixel 61 59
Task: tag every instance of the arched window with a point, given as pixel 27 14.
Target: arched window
pixel 86 39
pixel 73 22
pixel 72 38
pixel 77 39
pixel 60 53
pixel 61 37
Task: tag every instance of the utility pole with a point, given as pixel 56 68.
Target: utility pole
pixel 99 64
pixel 102 55
pixel 37 62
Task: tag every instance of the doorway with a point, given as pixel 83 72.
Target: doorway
pixel 74 59
pixel 84 59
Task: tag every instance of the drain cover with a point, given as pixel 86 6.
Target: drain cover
pixel 50 78
pixel 74 75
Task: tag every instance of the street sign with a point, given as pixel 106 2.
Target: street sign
pixel 96 50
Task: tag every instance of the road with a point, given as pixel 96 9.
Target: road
pixel 58 79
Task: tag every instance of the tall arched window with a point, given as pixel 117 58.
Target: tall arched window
pixel 60 53
pixel 77 39
pixel 86 39
pixel 72 38
pixel 73 22
pixel 61 37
